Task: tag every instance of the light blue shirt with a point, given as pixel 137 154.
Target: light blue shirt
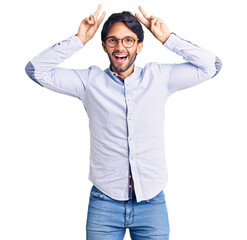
pixel 126 119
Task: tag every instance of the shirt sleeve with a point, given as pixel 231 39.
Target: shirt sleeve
pixel 43 69
pixel 200 64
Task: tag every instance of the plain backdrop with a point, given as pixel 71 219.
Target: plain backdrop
pixel 44 148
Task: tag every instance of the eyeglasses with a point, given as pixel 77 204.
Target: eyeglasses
pixel 127 42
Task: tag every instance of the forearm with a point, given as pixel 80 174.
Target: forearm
pixel 38 67
pixel 43 69
pixel 203 59
pixel 200 64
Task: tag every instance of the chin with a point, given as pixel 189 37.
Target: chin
pixel 120 68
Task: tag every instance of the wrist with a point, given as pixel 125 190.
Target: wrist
pixel 81 38
pixel 165 38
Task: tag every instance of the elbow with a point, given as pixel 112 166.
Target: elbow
pixel 30 72
pixel 218 66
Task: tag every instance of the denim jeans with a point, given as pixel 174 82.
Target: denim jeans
pixel 107 219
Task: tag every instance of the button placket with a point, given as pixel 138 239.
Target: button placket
pixel 130 125
pixel 129 113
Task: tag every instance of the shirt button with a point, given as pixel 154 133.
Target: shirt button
pixel 129 186
pixel 129 176
pixel 129 118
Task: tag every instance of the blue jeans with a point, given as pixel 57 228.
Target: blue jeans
pixel 107 219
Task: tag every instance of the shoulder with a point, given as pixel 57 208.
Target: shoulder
pixel 95 68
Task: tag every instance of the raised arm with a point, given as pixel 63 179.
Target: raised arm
pixel 43 68
pixel 200 64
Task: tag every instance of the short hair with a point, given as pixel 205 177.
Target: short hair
pixel 127 18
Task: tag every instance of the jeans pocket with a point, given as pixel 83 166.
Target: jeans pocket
pixel 96 194
pixel 159 198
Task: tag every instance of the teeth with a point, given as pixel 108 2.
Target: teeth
pixel 121 55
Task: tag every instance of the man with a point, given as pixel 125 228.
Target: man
pixel 125 106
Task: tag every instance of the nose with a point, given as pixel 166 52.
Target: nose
pixel 120 45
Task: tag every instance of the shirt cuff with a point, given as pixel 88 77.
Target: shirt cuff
pixel 72 44
pixel 78 40
pixel 175 42
pixel 170 43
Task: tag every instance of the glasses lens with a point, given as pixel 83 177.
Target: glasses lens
pixel 111 42
pixel 128 42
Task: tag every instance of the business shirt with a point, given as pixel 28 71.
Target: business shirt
pixel 126 118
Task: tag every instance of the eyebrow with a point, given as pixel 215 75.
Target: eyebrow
pixel 123 37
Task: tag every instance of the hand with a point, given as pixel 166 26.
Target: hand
pixel 89 25
pixel 155 25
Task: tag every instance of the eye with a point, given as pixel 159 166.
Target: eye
pixel 111 40
pixel 128 40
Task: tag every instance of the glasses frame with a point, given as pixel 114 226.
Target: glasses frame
pixel 121 41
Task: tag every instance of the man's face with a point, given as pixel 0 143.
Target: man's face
pixel 122 59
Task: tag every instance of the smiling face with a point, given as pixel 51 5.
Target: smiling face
pixel 122 59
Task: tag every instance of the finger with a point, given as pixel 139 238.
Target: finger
pixel 88 20
pixel 96 14
pixel 91 19
pixel 153 20
pixel 102 17
pixel 142 20
pixel 144 13
pixel 159 21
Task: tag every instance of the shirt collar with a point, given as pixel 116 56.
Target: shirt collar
pixel 134 75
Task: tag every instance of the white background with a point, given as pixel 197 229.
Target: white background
pixel 44 148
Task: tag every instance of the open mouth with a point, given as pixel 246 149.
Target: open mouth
pixel 120 58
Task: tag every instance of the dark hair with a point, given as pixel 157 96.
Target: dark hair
pixel 127 18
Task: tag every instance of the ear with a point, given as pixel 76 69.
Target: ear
pixel 139 47
pixel 104 46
